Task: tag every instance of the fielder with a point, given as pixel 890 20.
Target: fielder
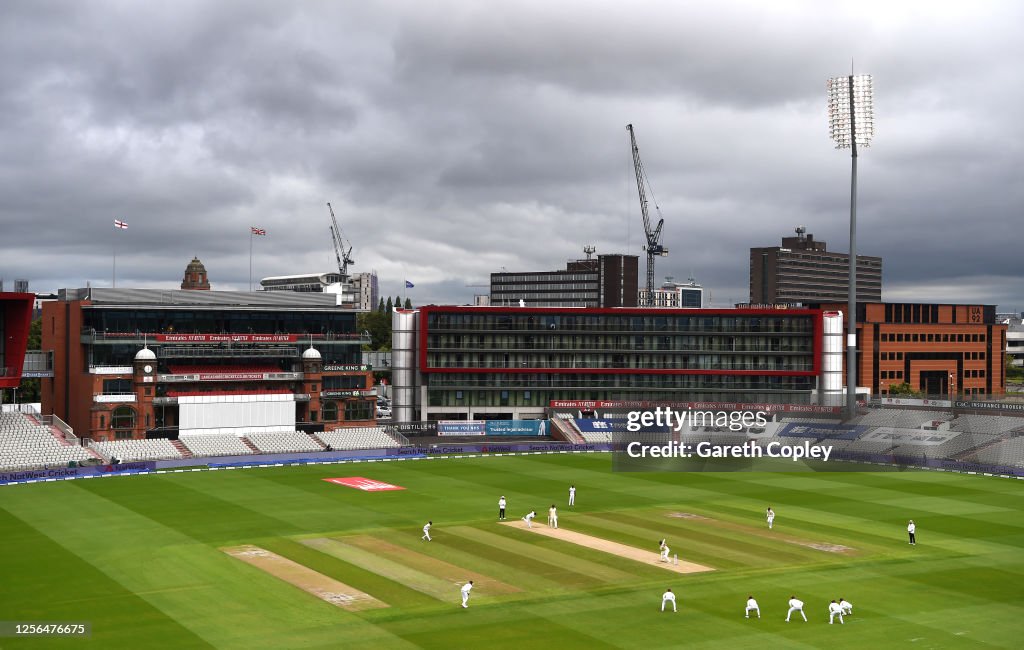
pixel 795 605
pixel 466 588
pixel 752 606
pixel 529 517
pixel 770 515
pixel 668 597
pixel 501 508
pixel 846 607
pixel 426 531
pixel 553 516
pixel 572 495
pixel 910 531
pixel 835 610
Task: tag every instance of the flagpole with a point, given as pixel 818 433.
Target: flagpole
pixel 250 260
pixel 113 278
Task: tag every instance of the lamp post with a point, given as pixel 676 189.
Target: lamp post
pixel 851 123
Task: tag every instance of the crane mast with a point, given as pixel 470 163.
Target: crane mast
pixel 343 256
pixel 653 246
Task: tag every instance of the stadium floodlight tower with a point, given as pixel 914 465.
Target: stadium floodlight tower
pixel 851 123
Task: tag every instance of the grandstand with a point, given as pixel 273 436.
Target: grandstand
pixel 137 450
pixel 360 438
pixel 27 443
pixel 903 418
pixel 993 424
pixel 284 443
pixel 216 445
pixel 1004 452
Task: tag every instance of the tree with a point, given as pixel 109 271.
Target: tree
pixel 388 307
pixel 1013 372
pixel 378 324
pixel 408 303
pixel 380 306
pixel 904 389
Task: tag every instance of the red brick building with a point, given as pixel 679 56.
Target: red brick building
pixel 138 363
pixel 939 349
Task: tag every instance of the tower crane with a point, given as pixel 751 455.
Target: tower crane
pixel 343 256
pixel 653 246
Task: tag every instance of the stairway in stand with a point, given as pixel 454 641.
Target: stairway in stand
pixel 180 446
pixel 248 443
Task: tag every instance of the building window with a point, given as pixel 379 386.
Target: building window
pixel 117 386
pixel 312 416
pixel 103 421
pixel 122 435
pixel 359 410
pixel 330 411
pixel 123 417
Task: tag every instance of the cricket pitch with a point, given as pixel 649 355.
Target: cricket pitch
pixel 323 587
pixel 608 546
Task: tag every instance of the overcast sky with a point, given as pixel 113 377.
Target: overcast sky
pixel 459 138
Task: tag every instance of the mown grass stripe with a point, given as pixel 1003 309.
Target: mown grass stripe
pixel 394 593
pixel 545 550
pixel 694 548
pixel 748 541
pixel 520 570
pixel 430 565
pixel 439 588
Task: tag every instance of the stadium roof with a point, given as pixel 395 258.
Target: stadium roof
pixel 167 298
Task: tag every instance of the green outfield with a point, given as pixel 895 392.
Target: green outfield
pixel 154 560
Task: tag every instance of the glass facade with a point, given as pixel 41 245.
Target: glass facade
pixel 523 358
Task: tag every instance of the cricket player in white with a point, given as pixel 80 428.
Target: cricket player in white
pixel 795 605
pixel 501 508
pixel 911 528
pixel 664 551
pixel 668 597
pixel 572 495
pixel 466 588
pixel 846 607
pixel 529 517
pixel 553 516
pixel 834 610
pixel 426 530
pixel 752 606
pixel 771 517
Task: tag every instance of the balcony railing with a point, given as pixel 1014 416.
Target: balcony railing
pixel 166 401
pixel 92 335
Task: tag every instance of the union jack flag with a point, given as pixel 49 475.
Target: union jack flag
pixel 258 231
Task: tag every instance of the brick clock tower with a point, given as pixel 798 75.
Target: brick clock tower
pixel 195 276
pixel 312 370
pixel 144 385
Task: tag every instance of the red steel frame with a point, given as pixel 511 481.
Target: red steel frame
pixel 16 312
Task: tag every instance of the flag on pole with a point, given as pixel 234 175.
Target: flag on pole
pixel 258 231
pixel 409 285
pixel 120 224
